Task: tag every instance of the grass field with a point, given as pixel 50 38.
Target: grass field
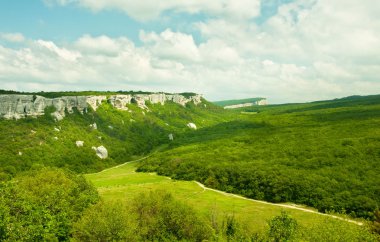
pixel 123 183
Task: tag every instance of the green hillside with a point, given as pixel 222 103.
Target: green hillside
pixel 322 154
pixel 42 141
pixel 237 101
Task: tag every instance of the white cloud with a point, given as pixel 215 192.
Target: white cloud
pixel 171 45
pixel 13 37
pixel 151 9
pixel 309 50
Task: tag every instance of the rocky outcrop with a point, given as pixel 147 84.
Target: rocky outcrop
pixel 192 126
pixel 101 152
pixel 95 101
pixel 120 101
pixel 20 106
pixel 171 137
pixel 242 105
pixel 79 143
pixel 16 106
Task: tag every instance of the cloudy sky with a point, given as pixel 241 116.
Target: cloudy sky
pixel 285 50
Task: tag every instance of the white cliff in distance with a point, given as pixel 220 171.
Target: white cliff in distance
pixel 15 106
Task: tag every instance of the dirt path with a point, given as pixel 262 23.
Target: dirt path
pixel 275 204
pixel 248 199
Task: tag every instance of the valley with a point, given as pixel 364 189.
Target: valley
pixel 322 156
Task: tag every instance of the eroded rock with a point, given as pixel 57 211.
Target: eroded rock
pixel 79 143
pixel 101 152
pixel 192 126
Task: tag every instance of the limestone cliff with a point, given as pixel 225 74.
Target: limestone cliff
pixel 14 106
pixel 241 105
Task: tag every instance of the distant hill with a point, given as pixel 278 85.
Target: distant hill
pixel 236 103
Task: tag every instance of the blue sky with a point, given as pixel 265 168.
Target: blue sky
pixel 287 51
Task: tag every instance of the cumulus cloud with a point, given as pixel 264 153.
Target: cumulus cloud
pixel 151 9
pixel 308 50
pixel 13 37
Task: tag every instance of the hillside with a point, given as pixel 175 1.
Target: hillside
pixel 42 140
pixel 321 154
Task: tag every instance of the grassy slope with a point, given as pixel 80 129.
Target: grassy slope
pixel 123 183
pixel 323 154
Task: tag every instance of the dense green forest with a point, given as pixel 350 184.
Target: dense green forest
pixel 322 154
pixel 50 204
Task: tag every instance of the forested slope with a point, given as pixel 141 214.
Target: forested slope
pixel 41 141
pixel 322 154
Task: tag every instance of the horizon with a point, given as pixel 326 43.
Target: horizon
pixel 288 51
pixel 147 91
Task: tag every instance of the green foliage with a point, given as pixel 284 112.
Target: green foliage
pixel 322 154
pixel 154 216
pixel 41 205
pixel 282 228
pixel 160 217
pixel 376 223
pixel 332 230
pixel 126 135
pixel 106 221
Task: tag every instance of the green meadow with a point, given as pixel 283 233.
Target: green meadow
pixel 122 183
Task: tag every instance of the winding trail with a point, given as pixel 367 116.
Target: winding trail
pixel 278 205
pixel 244 198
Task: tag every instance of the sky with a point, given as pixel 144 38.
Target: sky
pixel 284 50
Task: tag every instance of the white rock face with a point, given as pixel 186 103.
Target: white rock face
pixel 95 101
pixel 79 143
pixel 20 106
pixel 140 101
pixel 171 137
pixel 57 116
pixel 262 102
pixel 157 98
pixel 259 102
pixel 14 106
pixel 120 101
pixel 101 152
pixel 192 126
pixel 239 105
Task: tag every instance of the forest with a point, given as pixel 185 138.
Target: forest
pixel 324 154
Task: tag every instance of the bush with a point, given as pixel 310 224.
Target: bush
pixel 282 228
pixel 42 205
pixel 106 221
pixel 161 217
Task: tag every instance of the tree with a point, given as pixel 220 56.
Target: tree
pixel 282 227
pixel 42 205
pixel 106 221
